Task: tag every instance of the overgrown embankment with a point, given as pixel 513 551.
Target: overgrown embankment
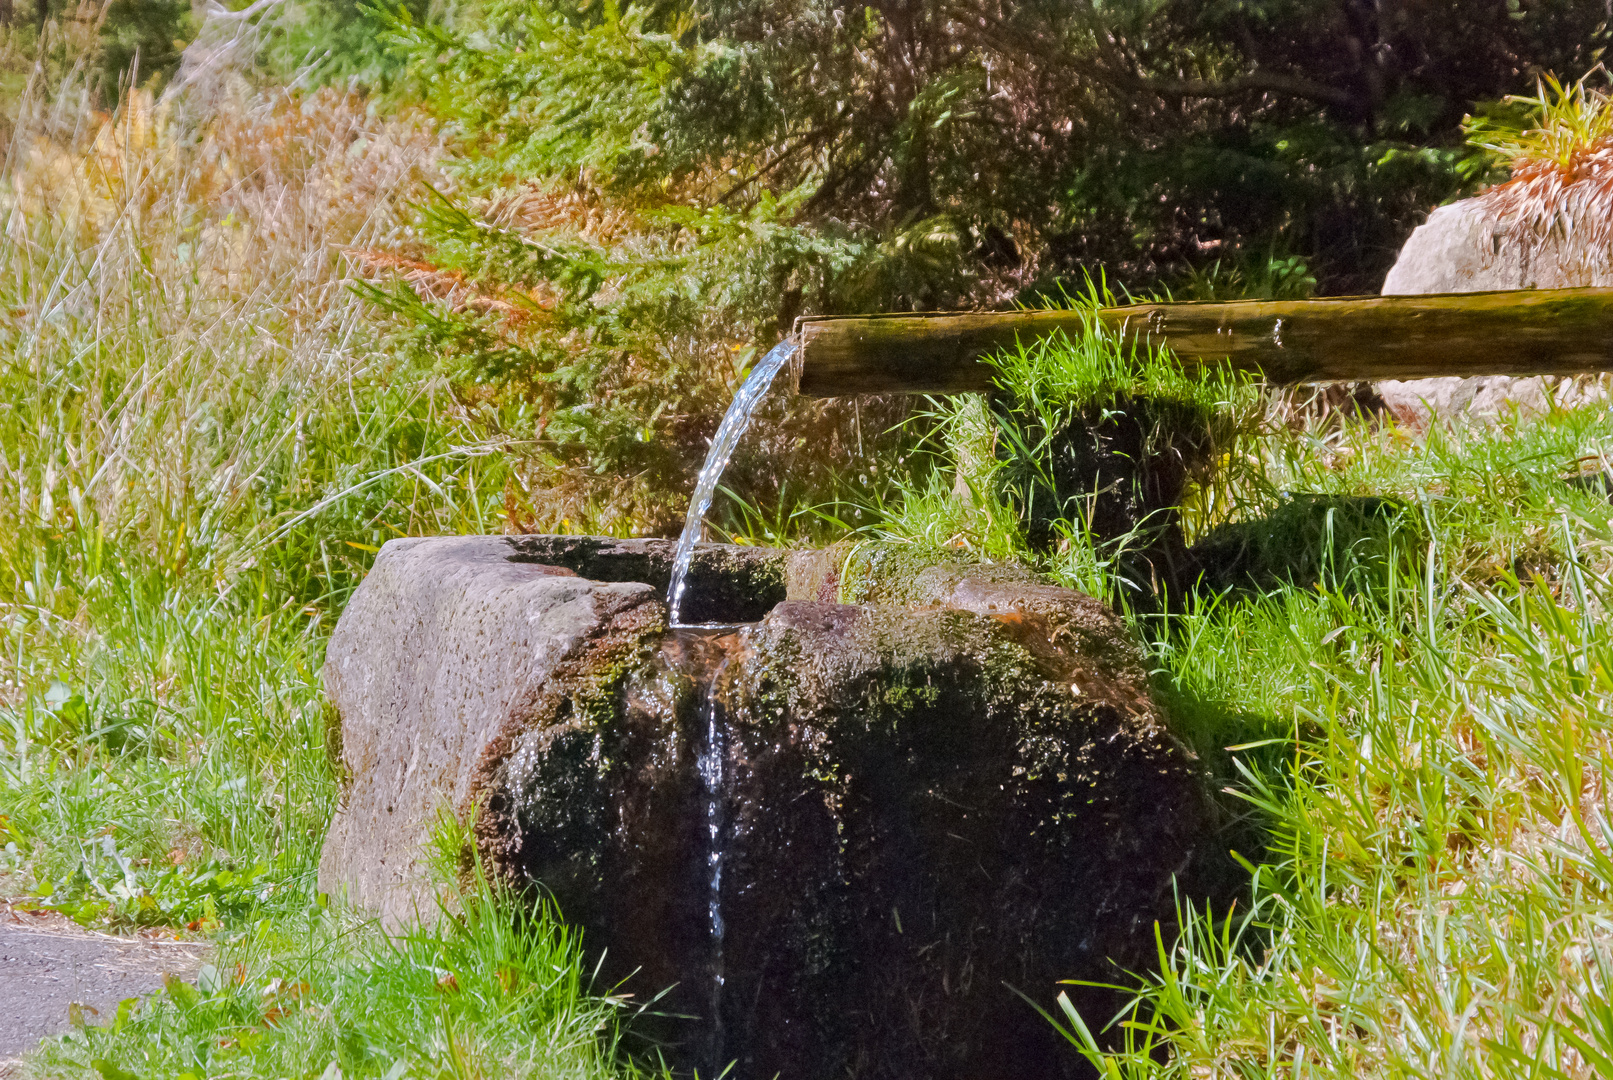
pixel 1395 653
pixel 202 439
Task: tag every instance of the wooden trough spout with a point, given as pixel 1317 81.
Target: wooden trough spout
pixel 1541 332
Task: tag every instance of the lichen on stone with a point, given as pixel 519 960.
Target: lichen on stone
pixel 917 574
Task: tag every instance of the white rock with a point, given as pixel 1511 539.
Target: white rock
pixel 1466 247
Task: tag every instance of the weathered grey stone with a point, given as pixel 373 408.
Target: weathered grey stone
pixel 1468 247
pixel 833 838
pixel 446 648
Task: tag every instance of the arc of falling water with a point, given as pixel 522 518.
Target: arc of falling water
pixel 729 432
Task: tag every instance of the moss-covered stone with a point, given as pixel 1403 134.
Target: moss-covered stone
pixel 914 576
pixel 911 574
pixel 838 839
pixel 919 807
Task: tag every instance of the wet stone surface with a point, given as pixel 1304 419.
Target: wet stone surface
pixel 727 582
pixel 837 839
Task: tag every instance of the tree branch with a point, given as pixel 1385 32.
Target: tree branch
pixel 1118 68
pixel 805 141
pixel 1262 81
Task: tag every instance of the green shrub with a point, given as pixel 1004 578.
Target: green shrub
pixel 143 40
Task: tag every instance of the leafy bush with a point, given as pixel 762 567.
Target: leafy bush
pixel 937 155
pixel 1557 127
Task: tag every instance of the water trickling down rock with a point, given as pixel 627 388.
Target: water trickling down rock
pixel 828 840
pixel 712 770
pixel 834 837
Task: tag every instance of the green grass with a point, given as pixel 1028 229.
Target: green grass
pixel 204 438
pixel 194 483
pixel 1435 893
pixel 1412 710
pixel 493 990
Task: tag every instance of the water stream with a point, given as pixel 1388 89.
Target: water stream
pixel 729 432
pixel 711 769
pixel 711 763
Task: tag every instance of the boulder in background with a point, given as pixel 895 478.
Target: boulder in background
pixel 1483 244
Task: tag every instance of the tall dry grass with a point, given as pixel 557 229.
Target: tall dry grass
pixel 159 272
pixel 205 434
pixel 203 438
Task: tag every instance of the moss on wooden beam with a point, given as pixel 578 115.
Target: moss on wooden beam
pixel 1542 332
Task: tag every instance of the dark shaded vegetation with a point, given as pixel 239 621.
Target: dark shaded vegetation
pixel 929 154
pixel 1336 542
pixel 644 196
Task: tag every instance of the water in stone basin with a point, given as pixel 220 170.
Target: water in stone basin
pixel 727 438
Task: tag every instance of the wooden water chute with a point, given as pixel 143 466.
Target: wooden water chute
pixel 1539 332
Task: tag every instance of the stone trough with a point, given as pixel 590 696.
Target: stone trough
pixel 839 836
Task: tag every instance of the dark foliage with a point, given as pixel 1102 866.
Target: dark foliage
pixel 142 40
pixel 1148 138
pixel 707 172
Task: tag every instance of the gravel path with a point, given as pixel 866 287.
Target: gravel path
pixel 48 963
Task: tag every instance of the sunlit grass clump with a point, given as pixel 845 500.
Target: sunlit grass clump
pixel 1558 149
pixel 1409 709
